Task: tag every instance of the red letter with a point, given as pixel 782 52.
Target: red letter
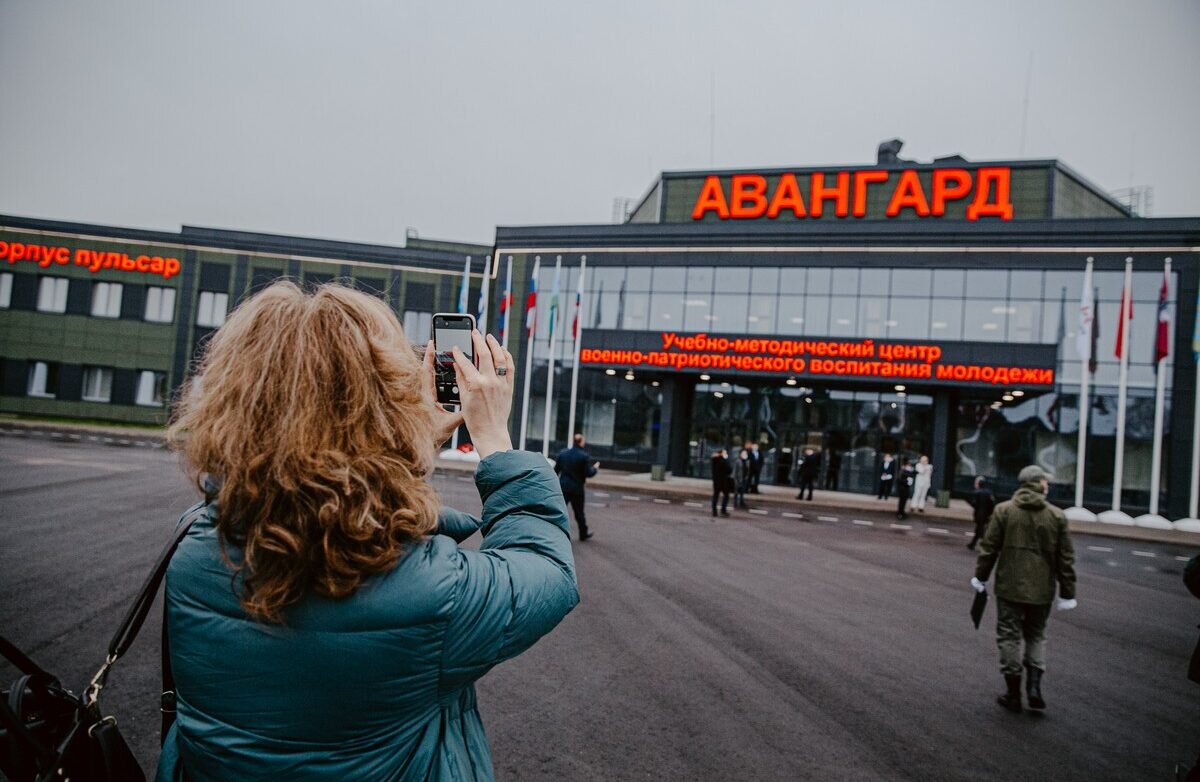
pixel 840 195
pixel 943 193
pixel 1002 207
pixel 861 180
pixel 712 197
pixel 908 194
pixel 787 196
pixel 747 196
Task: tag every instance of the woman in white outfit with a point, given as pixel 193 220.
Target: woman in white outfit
pixel 922 483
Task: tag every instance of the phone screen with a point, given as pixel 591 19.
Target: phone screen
pixel 450 330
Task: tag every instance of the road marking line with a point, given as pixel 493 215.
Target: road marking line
pixel 1105 549
pixel 56 434
pixel 862 522
pixel 73 436
pixel 92 438
pixel 938 531
pixel 757 511
pixel 968 534
pixel 827 518
pixel 661 501
pixel 691 504
pixel 788 514
pixel 1144 554
pixel 631 498
pixel 600 493
pixel 900 526
pixel 1183 559
pixel 108 439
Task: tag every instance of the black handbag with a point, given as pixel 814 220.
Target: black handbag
pixel 48 733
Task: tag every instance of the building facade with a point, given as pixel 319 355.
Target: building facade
pixel 909 309
pixel 102 323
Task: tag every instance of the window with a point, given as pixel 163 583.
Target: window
pixel 211 310
pixel 160 304
pixel 97 384
pixel 5 290
pixel 106 300
pixel 43 379
pixel 418 326
pixel 152 388
pixel 52 294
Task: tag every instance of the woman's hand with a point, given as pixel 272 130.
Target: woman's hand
pixel 486 394
pixel 444 421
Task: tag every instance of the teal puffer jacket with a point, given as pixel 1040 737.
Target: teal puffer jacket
pixel 379 685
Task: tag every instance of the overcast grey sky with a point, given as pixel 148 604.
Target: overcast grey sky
pixel 355 120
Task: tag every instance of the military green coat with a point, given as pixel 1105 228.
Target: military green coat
pixel 379 685
pixel 1028 543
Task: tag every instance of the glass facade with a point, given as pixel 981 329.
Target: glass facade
pixel 1001 305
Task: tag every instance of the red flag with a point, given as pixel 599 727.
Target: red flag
pixel 1162 336
pixel 505 302
pixel 1126 312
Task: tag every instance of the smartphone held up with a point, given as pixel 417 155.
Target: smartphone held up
pixel 449 330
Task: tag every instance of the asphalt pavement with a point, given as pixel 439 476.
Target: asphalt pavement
pixel 795 643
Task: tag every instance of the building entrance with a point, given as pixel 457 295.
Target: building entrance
pixel 848 430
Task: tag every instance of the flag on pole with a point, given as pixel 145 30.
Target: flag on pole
pixel 505 302
pixel 578 300
pixel 466 281
pixel 1087 316
pixel 481 306
pixel 599 299
pixel 1124 314
pixel 1162 334
pixel 553 307
pixel 531 303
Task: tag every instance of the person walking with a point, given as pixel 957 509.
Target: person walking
pixel 887 475
pixel 1029 545
pixel 904 487
pixel 922 483
pixel 982 502
pixel 833 470
pixel 756 466
pixel 574 466
pixel 741 478
pixel 810 469
pixel 323 621
pixel 722 480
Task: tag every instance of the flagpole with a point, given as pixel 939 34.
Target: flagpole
pixel 485 291
pixel 463 297
pixel 508 303
pixel 1153 519
pixel 578 340
pixel 1116 515
pixel 1079 512
pixel 552 324
pixel 531 328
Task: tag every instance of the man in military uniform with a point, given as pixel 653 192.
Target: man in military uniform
pixel 1028 543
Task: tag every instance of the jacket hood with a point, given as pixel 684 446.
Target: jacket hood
pixel 1030 497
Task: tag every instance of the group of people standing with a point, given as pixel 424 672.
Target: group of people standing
pixel 738 477
pixel 911 481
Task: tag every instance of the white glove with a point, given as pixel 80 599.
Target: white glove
pixel 978 585
pixel 1065 605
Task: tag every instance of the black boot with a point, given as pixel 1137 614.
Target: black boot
pixel 1011 700
pixel 1033 688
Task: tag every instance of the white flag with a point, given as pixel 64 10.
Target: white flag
pixel 1087 314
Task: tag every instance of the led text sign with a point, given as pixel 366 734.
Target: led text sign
pixel 750 197
pixel 938 363
pixel 92 260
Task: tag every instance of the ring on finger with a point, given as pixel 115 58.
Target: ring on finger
pixel 501 371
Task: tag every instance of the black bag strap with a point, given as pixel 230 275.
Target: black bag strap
pixel 18 658
pixel 132 623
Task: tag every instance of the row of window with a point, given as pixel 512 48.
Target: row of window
pixel 43 382
pixel 159 307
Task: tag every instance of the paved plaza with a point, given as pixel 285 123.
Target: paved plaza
pixel 763 647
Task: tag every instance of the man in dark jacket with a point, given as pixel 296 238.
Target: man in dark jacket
pixel 1028 543
pixel 574 466
pixel 810 469
pixel 756 466
pixel 904 487
pixel 983 502
pixel 887 474
pixel 722 480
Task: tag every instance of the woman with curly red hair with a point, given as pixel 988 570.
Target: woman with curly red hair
pixel 323 621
